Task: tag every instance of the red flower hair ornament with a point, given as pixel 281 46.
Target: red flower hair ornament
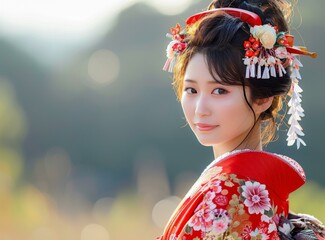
pixel 175 47
pixel 265 48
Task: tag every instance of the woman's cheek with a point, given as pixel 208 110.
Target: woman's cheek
pixel 227 109
pixel 186 106
pixel 231 112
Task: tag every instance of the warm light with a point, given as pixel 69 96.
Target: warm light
pixel 103 66
pixel 94 231
pixel 152 179
pixel 170 7
pixel 45 233
pixel 163 210
pixel 71 17
pixel 102 208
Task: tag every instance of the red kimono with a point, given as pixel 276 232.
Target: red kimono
pixel 241 195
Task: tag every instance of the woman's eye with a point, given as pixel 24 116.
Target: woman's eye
pixel 190 90
pixel 219 91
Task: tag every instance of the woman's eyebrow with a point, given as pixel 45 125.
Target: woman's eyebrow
pixel 208 82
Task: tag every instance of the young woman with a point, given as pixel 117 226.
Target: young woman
pixel 233 66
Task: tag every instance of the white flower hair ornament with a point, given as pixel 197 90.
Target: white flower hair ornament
pixel 267 54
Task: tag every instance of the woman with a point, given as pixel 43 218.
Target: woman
pixel 234 65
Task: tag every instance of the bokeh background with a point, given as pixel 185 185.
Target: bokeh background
pixel 93 144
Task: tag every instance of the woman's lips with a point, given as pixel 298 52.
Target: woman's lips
pixel 205 127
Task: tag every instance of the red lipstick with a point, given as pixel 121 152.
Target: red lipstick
pixel 205 127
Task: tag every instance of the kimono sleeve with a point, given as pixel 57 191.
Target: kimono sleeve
pixel 232 208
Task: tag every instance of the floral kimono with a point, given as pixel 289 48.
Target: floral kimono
pixel 243 195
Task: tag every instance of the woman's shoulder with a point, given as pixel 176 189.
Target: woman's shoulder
pixel 229 201
pixel 259 160
pixel 268 168
pixel 241 195
pixel 256 155
pixel 294 164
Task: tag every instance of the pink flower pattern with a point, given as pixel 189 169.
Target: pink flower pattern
pixel 221 210
pixel 246 232
pixel 215 186
pixel 221 200
pixel 256 197
pixel 209 219
pixel 221 222
pixel 219 226
pixel 203 217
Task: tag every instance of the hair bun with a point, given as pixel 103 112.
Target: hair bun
pixel 225 3
pixel 242 4
pixel 237 3
pixel 258 3
pixel 247 6
pixel 274 12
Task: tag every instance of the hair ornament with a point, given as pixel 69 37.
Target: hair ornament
pixel 175 47
pixel 268 53
pixel 273 50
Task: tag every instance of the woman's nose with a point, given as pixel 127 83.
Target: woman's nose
pixel 202 106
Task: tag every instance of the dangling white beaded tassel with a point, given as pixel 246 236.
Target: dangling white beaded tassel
pixel 296 111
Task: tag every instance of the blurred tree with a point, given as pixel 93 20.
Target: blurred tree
pixel 309 199
pixel 12 133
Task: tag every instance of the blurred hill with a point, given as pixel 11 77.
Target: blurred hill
pixel 112 108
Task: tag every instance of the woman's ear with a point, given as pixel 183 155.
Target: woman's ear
pixel 262 104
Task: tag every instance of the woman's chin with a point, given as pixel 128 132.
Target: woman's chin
pixel 206 142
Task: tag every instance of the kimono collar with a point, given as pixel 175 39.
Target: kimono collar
pixel 280 173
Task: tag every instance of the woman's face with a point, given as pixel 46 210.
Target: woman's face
pixel 217 114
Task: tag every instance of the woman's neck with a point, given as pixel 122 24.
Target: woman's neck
pixel 253 142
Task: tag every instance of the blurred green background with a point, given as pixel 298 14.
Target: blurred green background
pixel 93 143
